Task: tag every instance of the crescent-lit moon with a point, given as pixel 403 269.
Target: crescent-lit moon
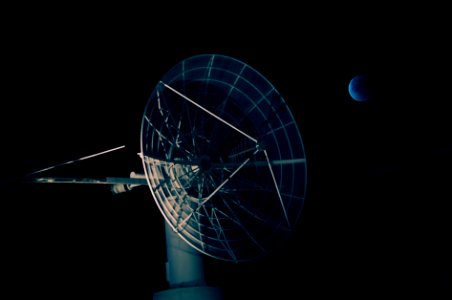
pixel 358 88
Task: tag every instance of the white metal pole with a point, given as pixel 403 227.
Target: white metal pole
pixel 185 272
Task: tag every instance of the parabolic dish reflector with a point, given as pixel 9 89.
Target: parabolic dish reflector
pixel 223 157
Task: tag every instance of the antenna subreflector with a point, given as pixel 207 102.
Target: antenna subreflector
pixel 223 157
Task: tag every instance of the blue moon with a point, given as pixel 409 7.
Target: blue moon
pixel 359 89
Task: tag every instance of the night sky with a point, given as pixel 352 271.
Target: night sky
pixel 375 218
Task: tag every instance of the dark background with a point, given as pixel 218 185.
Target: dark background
pixel 375 220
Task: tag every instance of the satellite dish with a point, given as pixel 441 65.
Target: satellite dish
pixel 223 158
pixel 225 162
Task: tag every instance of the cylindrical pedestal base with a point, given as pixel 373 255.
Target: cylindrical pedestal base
pixel 190 293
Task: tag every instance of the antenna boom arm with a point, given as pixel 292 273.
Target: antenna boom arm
pixel 106 180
